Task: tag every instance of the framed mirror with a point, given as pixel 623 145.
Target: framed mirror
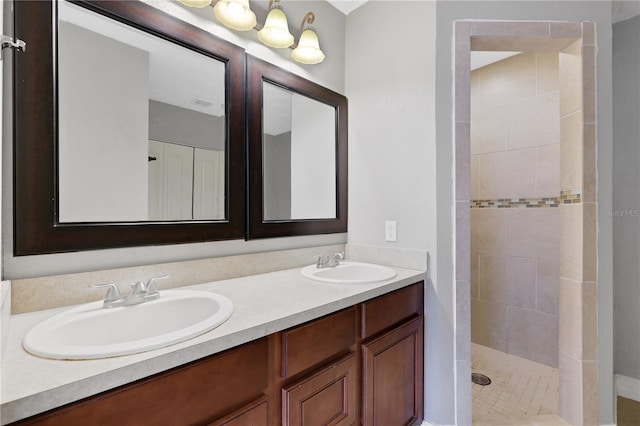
pixel 129 129
pixel 297 154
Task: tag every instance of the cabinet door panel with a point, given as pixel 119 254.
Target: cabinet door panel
pixel 392 377
pixel 254 414
pixel 328 397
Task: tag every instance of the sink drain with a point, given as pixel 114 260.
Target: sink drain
pixel 480 379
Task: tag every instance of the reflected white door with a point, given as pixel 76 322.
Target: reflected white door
pixel 208 184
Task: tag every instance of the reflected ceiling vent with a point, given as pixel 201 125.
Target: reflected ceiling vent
pixel 203 102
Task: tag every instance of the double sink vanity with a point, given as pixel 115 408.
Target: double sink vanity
pixel 295 350
pixel 152 131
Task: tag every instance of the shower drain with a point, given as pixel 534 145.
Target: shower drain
pixel 480 379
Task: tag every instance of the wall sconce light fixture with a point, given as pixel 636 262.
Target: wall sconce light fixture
pixel 237 15
pixel 196 3
pixel 308 49
pixel 275 32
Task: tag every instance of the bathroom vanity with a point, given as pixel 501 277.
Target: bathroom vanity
pixel 341 354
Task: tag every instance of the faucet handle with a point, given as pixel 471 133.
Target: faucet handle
pixel 113 293
pixel 152 288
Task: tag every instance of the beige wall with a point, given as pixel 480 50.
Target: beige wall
pixel 515 154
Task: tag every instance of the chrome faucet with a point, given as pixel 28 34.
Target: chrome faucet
pixel 330 261
pixel 140 293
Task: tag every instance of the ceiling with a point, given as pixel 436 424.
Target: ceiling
pixel 347 6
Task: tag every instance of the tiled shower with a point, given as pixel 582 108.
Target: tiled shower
pixel 515 198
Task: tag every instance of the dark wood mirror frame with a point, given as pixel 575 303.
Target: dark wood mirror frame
pixel 258 72
pixel 36 226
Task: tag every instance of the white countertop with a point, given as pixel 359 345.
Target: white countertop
pixel 263 304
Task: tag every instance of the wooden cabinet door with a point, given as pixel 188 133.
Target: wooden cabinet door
pixel 392 377
pixel 328 397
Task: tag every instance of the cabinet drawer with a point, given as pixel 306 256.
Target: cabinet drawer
pixel 391 309
pixel 313 343
pixel 193 394
pixel 328 397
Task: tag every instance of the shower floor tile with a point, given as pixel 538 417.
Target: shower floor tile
pixel 521 391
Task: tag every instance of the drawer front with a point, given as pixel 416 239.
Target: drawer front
pixel 192 394
pixel 254 414
pixel 328 397
pixel 391 309
pixel 313 343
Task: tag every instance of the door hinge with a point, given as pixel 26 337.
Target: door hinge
pixel 11 43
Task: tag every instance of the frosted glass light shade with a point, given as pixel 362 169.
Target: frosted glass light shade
pixel 235 14
pixel 196 3
pixel 275 32
pixel 308 50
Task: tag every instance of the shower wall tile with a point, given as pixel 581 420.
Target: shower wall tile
pixel 571 150
pixel 589 242
pixel 515 147
pixel 566 29
pixel 488 231
pixel 570 317
pixel 533 335
pixel 589 392
pixel 475 260
pixel 589 164
pixel 533 233
pixel 570 68
pixel 548 170
pixel 589 321
pixel 463 321
pixel 589 84
pixel 571 223
pixel 463 162
pixel 489 87
pixel 475 187
pixel 547 285
pixel 508 280
pixel 570 392
pixel 507 174
pixel 489 324
pixel 588 33
pixel 463 243
pixel 547 73
pixel 533 121
pixel 462 82
pixel 511 29
pixel 489 130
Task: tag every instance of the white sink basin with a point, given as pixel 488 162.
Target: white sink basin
pixel 348 272
pixel 89 331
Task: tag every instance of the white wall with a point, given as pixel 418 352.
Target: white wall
pixel 390 79
pixel 600 13
pixel 329 23
pixel 313 159
pixel 103 114
pixel 626 196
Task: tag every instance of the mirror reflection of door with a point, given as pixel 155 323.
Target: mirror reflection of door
pixel 299 156
pixel 121 93
pixel 180 182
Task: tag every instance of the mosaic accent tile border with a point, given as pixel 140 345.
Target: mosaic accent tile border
pixel 569 196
